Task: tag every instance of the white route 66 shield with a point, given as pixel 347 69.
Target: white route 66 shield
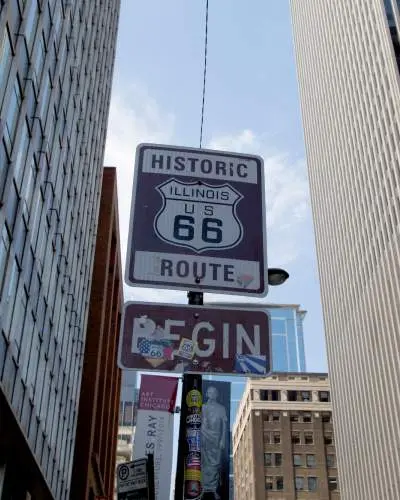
pixel 198 215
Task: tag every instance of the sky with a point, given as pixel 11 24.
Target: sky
pixel 251 106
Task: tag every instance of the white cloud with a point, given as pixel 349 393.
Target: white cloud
pixel 135 117
pixel 287 194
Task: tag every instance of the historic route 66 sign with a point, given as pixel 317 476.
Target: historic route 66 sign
pixel 203 216
pixel 197 221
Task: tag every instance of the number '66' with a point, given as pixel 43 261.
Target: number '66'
pixel 210 229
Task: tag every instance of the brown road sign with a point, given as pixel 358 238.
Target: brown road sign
pixel 182 338
pixel 197 221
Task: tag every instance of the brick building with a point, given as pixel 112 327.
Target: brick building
pixel 283 442
pixel 97 428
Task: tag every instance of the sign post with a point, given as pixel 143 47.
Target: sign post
pixel 135 480
pixel 197 221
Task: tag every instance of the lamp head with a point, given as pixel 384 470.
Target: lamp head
pixel 277 276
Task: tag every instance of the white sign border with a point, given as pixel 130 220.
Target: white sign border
pixel 196 288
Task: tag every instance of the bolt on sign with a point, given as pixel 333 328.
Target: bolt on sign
pixel 197 221
pixel 195 339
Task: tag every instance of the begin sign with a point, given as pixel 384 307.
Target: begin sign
pixel 197 221
pixel 194 339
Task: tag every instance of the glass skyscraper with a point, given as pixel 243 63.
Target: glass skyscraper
pixel 288 353
pixel 56 66
pixel 349 81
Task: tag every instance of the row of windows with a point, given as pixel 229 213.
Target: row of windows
pixel 307 438
pixel 276 395
pixel 299 417
pixel 308 460
pixel 297 437
pixel 309 483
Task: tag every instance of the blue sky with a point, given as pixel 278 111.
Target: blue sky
pixel 252 106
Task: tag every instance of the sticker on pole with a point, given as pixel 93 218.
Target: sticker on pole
pixel 197 221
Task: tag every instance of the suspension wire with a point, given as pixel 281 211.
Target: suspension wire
pixel 204 76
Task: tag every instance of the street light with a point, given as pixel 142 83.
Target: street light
pixel 277 276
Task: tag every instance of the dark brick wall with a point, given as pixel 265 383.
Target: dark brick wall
pixel 97 428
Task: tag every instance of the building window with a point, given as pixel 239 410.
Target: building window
pixel 272 459
pixel 14 108
pixel 267 437
pixel 5 57
pixel 275 395
pixel 324 396
pixel 279 483
pixel 297 461
pixel 305 396
pixel 328 438
pixel 326 417
pixel 276 437
pixel 292 395
pixel 332 483
pixel 311 462
pixel 275 417
pixel 4 165
pixel 330 460
pixel 4 248
pixel 308 438
pixel 269 395
pixel 299 482
pixel 312 483
pixel 269 483
pixel 22 153
pixel 307 418
pixel 268 459
pixel 295 437
pixel 294 417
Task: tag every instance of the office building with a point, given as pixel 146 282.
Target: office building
pixel 283 440
pixel 288 355
pixel 55 79
pixel 97 426
pixel 127 415
pixel 347 57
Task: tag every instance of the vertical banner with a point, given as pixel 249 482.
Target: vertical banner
pixel 191 434
pixel 155 428
pixel 215 439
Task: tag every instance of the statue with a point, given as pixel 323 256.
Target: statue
pixel 214 428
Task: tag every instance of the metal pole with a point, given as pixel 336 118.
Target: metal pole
pixel 150 476
pixel 194 298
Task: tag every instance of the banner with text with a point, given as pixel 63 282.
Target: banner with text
pixel 155 428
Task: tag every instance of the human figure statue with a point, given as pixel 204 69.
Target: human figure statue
pixel 213 438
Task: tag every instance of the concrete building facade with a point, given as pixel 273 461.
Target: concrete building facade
pixel 348 56
pixel 283 440
pixel 56 69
